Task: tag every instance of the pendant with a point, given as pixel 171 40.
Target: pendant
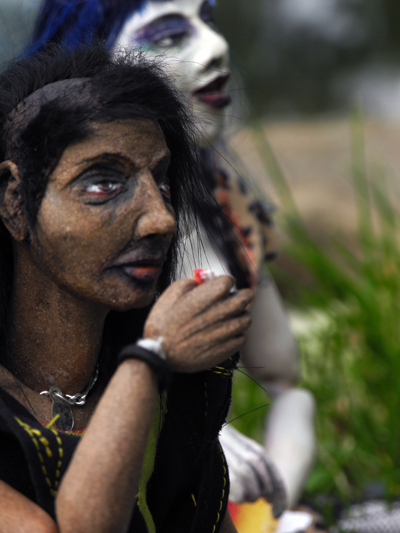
pixel 65 421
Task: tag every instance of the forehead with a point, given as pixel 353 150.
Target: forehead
pixel 137 141
pixel 159 8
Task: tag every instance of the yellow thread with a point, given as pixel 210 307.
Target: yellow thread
pixel 52 421
pixel 32 432
pixel 194 500
pixel 223 491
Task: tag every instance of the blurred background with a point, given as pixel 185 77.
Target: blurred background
pixel 316 128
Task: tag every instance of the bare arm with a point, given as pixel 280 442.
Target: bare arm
pixel 98 489
pixel 97 493
pixel 19 514
pixel 270 344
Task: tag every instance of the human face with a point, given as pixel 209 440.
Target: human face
pixel 196 55
pixel 105 223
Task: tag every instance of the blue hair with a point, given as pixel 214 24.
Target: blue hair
pixel 73 22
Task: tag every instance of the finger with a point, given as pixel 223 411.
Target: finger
pixel 177 290
pixel 219 353
pixel 205 332
pixel 203 296
pixel 205 358
pixel 230 307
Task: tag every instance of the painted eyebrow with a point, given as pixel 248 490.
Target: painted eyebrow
pixel 162 23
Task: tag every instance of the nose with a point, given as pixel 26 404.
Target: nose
pixel 154 218
pixel 213 49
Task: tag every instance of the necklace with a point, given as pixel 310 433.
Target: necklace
pixel 62 403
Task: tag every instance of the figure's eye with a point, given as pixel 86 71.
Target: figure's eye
pixel 100 184
pixel 165 32
pixel 103 189
pixel 168 41
pixel 207 12
pixel 165 189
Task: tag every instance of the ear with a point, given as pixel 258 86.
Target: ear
pixel 10 201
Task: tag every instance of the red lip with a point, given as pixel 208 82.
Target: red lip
pixel 143 273
pixel 213 93
pixel 139 266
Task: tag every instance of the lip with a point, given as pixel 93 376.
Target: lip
pixel 140 266
pixel 213 93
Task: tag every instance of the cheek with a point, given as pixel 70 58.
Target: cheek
pixel 67 235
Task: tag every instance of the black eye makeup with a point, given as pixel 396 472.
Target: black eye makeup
pixel 99 184
pixel 165 32
pixel 161 178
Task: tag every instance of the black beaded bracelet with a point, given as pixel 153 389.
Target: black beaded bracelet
pixel 159 366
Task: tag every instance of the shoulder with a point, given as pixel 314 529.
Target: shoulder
pixel 250 214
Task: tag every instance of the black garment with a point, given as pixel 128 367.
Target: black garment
pixel 188 490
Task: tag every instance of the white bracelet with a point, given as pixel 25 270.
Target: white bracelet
pixel 153 346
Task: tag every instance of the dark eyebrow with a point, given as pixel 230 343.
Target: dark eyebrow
pixel 108 157
pixel 162 22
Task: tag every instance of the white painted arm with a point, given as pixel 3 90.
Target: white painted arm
pixel 290 439
pixel 271 348
pixel 289 447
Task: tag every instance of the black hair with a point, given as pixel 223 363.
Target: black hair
pixel 127 86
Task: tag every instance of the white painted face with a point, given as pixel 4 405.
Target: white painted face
pixel 196 55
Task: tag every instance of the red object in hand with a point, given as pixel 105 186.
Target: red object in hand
pixel 200 275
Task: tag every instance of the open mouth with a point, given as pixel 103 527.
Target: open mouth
pixel 213 94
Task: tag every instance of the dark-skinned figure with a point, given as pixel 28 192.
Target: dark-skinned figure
pixel 98 185
pixel 197 57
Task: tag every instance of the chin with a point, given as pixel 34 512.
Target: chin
pixel 140 297
pixel 210 124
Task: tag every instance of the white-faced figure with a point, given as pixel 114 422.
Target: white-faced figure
pixel 197 57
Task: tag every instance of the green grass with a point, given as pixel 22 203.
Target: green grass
pixel 351 348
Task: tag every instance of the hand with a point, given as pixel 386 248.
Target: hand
pixel 201 325
pixel 252 474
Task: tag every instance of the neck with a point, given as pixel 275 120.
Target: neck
pixel 55 338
